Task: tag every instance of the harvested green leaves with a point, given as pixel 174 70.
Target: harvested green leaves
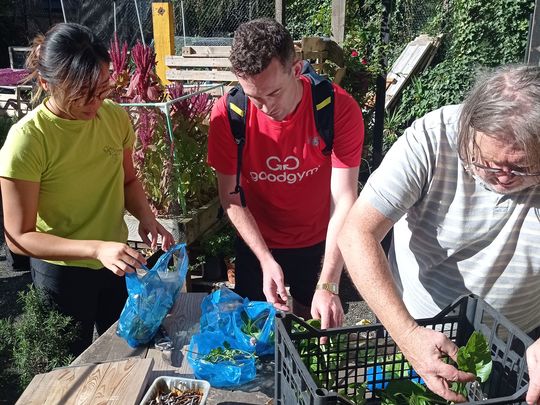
pixel 227 354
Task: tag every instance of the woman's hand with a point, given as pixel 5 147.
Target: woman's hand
pixel 154 229
pixel 119 257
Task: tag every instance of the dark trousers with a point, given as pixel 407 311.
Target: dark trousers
pixel 301 269
pixel 17 262
pixel 90 297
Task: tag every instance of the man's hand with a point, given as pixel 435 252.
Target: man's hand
pixel 533 362
pixel 424 349
pixel 153 228
pixel 119 257
pixel 274 284
pixel 327 307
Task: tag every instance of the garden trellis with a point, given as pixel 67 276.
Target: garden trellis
pixel 165 109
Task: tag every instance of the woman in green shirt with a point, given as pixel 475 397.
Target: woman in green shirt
pixel 67 176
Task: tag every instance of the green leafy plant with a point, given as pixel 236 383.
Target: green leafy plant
pixel 478 34
pixel 403 386
pixel 253 327
pixel 170 161
pixel 220 243
pixel 36 342
pixel 226 354
pixel 475 358
pixel 405 392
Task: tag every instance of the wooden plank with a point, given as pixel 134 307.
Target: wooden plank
pixel 338 20
pixel 180 61
pixel 121 382
pixel 322 48
pixel 181 323
pixel 206 51
pixel 201 75
pixel 109 347
pixel 413 59
pixel 533 46
pixel 163 27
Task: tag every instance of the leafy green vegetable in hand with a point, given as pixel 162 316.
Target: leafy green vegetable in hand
pixel 475 357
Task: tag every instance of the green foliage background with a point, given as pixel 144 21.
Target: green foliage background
pixel 36 342
pixel 477 34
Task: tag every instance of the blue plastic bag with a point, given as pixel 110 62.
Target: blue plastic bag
pixel 251 323
pixel 229 321
pixel 238 370
pixel 256 327
pixel 150 297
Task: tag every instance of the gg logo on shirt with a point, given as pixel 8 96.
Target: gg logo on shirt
pixel 112 152
pixel 275 164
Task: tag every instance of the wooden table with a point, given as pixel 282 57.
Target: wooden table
pixel 181 323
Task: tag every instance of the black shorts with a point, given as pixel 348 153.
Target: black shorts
pixel 90 297
pixel 301 269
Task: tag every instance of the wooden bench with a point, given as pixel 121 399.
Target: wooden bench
pixel 210 64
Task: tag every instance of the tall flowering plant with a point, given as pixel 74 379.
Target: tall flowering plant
pixel 170 165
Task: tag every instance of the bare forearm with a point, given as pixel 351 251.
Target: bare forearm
pixel 135 200
pixel 368 267
pixel 333 260
pixel 46 246
pixel 246 226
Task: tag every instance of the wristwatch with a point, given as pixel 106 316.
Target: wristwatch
pixel 332 287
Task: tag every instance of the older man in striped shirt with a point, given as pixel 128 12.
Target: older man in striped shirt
pixel 460 188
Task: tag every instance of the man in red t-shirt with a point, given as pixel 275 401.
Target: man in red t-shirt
pixel 297 197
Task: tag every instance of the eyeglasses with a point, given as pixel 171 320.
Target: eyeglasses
pixel 499 172
pixel 101 95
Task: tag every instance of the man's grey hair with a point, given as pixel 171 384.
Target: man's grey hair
pixel 503 104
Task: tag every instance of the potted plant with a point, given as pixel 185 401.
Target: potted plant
pixel 218 252
pixel 171 124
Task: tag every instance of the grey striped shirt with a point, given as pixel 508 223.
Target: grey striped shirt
pixel 452 235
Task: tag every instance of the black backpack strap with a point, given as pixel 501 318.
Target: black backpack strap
pixel 237 111
pixel 322 94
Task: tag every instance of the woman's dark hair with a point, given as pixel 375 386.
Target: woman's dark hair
pixel 256 43
pixel 70 59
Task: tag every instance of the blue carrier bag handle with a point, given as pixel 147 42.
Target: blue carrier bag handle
pixel 151 295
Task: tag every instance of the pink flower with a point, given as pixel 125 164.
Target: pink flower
pixel 363 61
pixel 354 54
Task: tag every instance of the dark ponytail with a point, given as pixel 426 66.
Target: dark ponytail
pixel 69 58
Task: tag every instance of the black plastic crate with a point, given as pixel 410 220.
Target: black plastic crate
pixel 356 353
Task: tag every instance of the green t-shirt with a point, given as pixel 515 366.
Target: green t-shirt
pixel 79 165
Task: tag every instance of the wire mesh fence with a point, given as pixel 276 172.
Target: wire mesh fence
pixel 200 22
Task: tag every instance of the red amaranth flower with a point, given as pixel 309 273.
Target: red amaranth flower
pixel 144 85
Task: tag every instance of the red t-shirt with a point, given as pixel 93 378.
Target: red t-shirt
pixel 285 176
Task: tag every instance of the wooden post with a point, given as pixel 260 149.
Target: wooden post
pixel 280 11
pixel 338 20
pixel 163 25
pixel 533 47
